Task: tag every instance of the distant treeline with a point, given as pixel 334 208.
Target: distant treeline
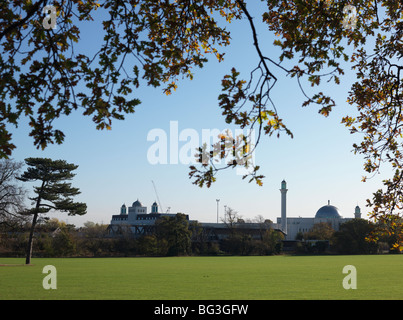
pixel 54 238
pixel 173 237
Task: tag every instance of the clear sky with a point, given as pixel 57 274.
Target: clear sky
pixel 318 164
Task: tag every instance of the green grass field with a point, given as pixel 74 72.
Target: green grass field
pixel 202 278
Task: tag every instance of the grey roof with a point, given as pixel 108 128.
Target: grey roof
pixel 328 211
pixel 137 203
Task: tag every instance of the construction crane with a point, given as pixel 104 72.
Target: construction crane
pixel 156 193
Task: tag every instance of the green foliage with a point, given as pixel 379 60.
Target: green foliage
pixel 151 245
pixel 352 238
pixel 319 231
pixel 58 194
pixel 57 239
pixel 175 232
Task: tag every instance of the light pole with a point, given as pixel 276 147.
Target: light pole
pixel 218 200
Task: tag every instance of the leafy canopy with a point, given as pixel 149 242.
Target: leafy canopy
pixel 43 73
pixel 53 192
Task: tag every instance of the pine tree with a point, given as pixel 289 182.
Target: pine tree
pixel 54 193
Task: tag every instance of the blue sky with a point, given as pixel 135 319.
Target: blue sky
pixel 318 164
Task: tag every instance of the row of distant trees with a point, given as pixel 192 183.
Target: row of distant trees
pixel 175 236
pixel 353 237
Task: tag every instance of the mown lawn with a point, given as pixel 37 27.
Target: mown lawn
pixel 203 278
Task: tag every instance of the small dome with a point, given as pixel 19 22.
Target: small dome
pixel 327 212
pixel 137 203
pixel 155 204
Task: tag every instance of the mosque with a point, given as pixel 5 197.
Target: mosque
pixel 138 221
pixel 327 214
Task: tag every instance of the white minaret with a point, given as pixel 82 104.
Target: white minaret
pixel 283 191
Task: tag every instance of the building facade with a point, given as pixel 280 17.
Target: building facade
pixel 326 214
pixel 135 220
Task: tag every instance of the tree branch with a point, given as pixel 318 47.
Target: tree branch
pixel 255 41
pixel 19 23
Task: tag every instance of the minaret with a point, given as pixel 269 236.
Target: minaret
pixel 123 209
pixel 357 212
pixel 283 191
pixel 154 207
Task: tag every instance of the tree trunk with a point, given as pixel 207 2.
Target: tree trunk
pixel 31 233
pixel 31 238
